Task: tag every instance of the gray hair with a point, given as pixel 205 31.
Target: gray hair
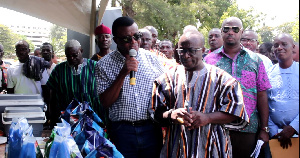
pixel 189 28
pixel 72 43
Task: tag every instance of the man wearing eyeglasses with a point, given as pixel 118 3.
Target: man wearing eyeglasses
pixel 131 130
pixel 194 101
pixel 73 79
pixel 249 41
pixel 249 70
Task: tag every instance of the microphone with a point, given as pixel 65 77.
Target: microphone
pixel 132 53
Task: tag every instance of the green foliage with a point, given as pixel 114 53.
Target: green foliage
pixel 9 39
pixel 295 29
pixel 58 38
pixel 248 17
pixel 167 18
pixel 285 28
pixel 266 34
pixel 170 16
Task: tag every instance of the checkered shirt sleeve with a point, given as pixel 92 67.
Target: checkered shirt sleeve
pixel 133 100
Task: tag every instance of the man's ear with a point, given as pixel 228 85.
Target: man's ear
pixel 115 40
pixel 96 41
pixel 203 49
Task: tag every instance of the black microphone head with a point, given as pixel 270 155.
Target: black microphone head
pixel 132 53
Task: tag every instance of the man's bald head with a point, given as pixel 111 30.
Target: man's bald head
pixel 235 20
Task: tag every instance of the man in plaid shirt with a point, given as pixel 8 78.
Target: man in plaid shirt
pixel 131 129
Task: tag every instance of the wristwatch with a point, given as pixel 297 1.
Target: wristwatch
pixel 267 129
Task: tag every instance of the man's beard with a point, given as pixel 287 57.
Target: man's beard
pixel 48 58
pixel 230 44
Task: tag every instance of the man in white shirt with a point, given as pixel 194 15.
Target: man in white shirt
pixel 48 54
pixel 17 80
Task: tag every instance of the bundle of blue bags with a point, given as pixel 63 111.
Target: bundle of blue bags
pixel 21 142
pixel 74 138
pixel 86 132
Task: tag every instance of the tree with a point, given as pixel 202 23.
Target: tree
pixel 170 16
pixel 266 34
pixel 295 29
pixel 58 38
pixel 285 28
pixel 9 39
pixel 248 17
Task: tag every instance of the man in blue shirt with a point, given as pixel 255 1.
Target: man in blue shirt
pixel 283 97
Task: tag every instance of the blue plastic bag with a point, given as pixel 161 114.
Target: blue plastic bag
pixel 15 136
pixel 98 146
pixel 63 144
pixel 28 148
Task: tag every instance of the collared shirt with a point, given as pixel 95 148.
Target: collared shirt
pixel 210 90
pixel 250 71
pixel 267 62
pixel 283 97
pixel 133 100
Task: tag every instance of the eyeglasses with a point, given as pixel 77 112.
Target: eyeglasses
pixel 189 51
pixel 235 29
pixel 248 40
pixel 128 39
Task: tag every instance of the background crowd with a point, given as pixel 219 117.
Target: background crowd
pixel 187 101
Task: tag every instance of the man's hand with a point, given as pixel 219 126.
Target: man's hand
pixel 199 119
pixel 284 137
pixel 264 136
pixel 183 114
pixel 131 64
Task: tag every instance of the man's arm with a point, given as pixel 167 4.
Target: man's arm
pixel 263 111
pixel 201 119
pixel 111 94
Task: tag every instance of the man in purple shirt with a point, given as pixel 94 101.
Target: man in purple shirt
pixel 249 70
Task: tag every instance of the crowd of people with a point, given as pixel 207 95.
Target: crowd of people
pixel 187 100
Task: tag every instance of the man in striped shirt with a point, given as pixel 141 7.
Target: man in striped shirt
pixel 194 101
pixel 73 79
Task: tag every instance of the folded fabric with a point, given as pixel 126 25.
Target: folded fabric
pixel 34 67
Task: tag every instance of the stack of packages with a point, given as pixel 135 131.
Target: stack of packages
pixel 86 131
pixel 61 143
pixel 21 142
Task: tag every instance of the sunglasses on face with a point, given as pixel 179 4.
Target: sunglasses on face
pixel 189 51
pixel 128 39
pixel 21 49
pixel 235 29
